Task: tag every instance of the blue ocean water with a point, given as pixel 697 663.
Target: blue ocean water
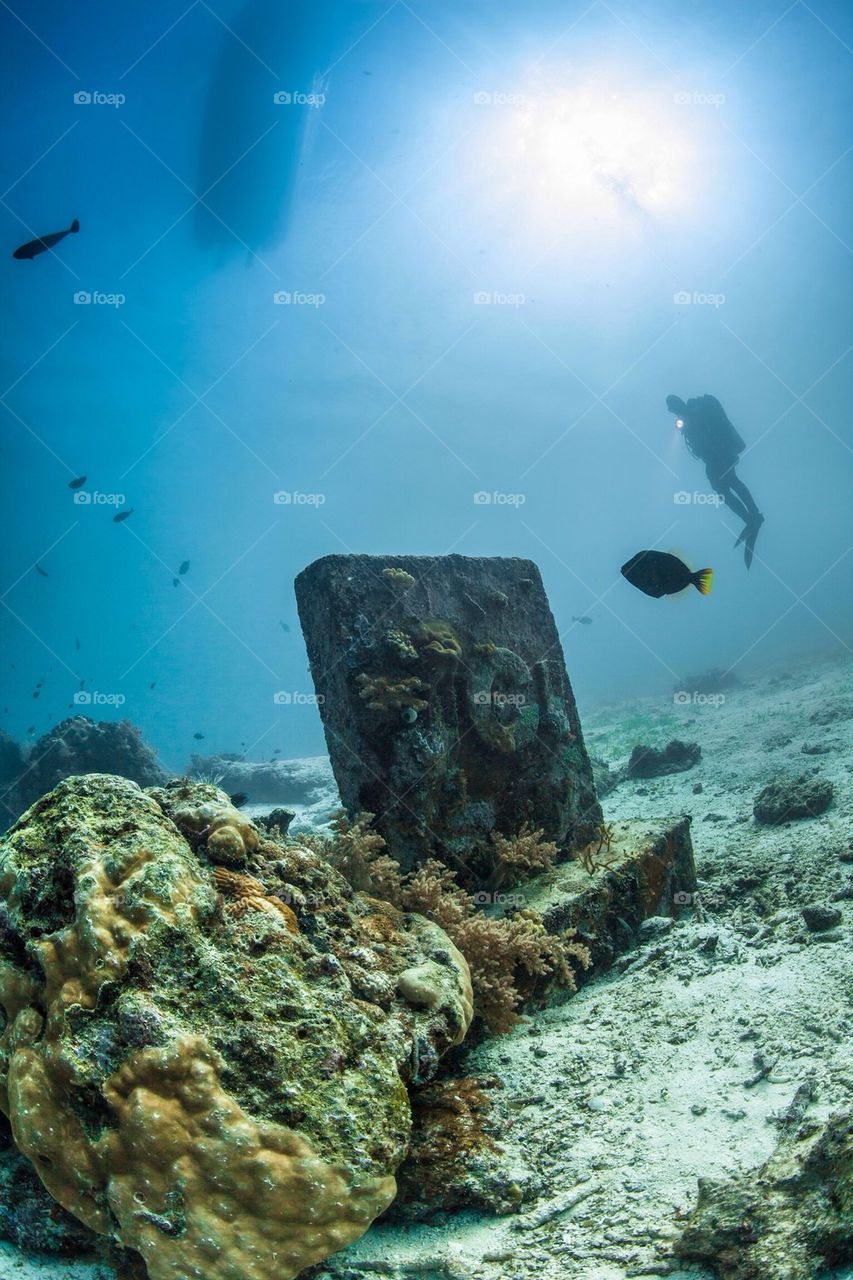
pixel 401 277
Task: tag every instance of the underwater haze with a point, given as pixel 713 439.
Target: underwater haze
pixel 408 278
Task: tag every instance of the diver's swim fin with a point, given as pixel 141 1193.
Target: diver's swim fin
pixel 751 532
pixel 744 531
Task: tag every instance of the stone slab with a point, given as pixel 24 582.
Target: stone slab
pixel 446 704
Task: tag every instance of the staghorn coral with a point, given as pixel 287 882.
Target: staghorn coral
pixel 225 1107
pixel 391 695
pixel 398 579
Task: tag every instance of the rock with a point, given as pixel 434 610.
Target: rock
pixel 714 680
pixel 276 818
pixel 648 871
pixel 29 1216
pixel 816 748
pixel 12 768
pixel 786 797
pixel 306 782
pixel 697 788
pixel 819 916
pixel 655 927
pixel 446 704
pixel 676 757
pixel 455 1161
pixel 832 712
pixel 784 1221
pixel 79 745
pixel 606 778
pixel 185 1054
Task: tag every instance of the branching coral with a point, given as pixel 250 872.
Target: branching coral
pixel 516 857
pixel 390 695
pixel 360 855
pixel 507 956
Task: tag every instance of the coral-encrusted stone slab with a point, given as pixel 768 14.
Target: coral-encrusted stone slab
pixel 446 704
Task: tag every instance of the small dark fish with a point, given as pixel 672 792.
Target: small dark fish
pixel 77 482
pixel 284 626
pixel 36 693
pixel 584 619
pixel 239 799
pixel 82 683
pixel 40 571
pixel 34 247
pixel 176 582
pixel 31 729
pixel 76 642
pixel 658 573
pixel 184 566
pixel 152 684
pixel 122 515
pixel 198 736
pixel 40 684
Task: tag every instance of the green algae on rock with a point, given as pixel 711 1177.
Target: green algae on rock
pixel 216 1090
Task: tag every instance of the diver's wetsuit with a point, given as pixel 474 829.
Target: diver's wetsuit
pixel 710 436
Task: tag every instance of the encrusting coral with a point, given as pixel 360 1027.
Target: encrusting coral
pixel 201 809
pixel 222 1095
pixel 385 694
pixel 399 579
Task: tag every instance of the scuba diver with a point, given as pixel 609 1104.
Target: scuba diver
pixel 710 436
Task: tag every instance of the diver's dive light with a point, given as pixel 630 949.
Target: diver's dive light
pixel 679 422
